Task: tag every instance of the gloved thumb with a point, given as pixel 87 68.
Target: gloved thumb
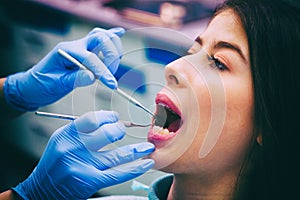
pixel 78 78
pixel 123 172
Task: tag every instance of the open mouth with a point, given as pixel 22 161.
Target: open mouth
pixel 166 121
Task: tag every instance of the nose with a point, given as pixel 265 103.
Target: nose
pixel 175 75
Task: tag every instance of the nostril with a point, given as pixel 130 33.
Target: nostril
pixel 174 79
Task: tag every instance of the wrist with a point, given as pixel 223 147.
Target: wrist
pixel 37 186
pixel 2 98
pixel 17 194
pixel 10 195
pixel 27 189
pixel 13 94
pixel 6 108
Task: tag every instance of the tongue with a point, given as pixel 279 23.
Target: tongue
pixel 174 126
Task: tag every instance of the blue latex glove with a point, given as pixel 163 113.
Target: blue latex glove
pixel 72 168
pixel 54 76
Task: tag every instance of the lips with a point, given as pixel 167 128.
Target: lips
pixel 167 121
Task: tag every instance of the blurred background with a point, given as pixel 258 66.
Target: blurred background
pixel 157 33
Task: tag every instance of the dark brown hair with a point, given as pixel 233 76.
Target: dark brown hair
pixel 272 171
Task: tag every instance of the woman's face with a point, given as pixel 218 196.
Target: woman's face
pixel 208 107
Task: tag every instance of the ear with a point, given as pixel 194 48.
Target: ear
pixel 259 140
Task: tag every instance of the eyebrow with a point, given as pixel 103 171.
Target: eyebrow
pixel 223 44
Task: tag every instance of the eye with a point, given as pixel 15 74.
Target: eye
pixel 216 63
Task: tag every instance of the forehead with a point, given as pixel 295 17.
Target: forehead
pixel 226 26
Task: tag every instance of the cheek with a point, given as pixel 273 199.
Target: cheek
pixel 200 102
pixel 224 127
pixel 211 99
pixel 239 114
pixel 238 125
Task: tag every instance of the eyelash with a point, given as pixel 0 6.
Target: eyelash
pixel 218 64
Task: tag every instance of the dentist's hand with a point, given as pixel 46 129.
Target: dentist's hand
pixel 72 168
pixel 54 76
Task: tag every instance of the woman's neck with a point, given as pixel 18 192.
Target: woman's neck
pixel 200 187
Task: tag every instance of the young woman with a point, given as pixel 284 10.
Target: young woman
pixel 227 118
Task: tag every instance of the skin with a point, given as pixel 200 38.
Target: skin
pixel 7 195
pixel 2 80
pixel 191 87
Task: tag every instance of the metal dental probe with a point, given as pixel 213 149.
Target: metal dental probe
pixel 73 117
pixel 118 90
pixel 134 101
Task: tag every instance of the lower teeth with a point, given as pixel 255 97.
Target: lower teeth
pixel 160 130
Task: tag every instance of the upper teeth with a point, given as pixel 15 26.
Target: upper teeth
pixel 160 130
pixel 164 105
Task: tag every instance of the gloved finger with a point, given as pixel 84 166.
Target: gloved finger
pixel 78 78
pixel 123 173
pixel 118 44
pixel 91 121
pixel 100 70
pixel 94 64
pixel 122 155
pixel 104 135
pixel 115 34
pixel 119 31
pixel 102 43
pixel 96 30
